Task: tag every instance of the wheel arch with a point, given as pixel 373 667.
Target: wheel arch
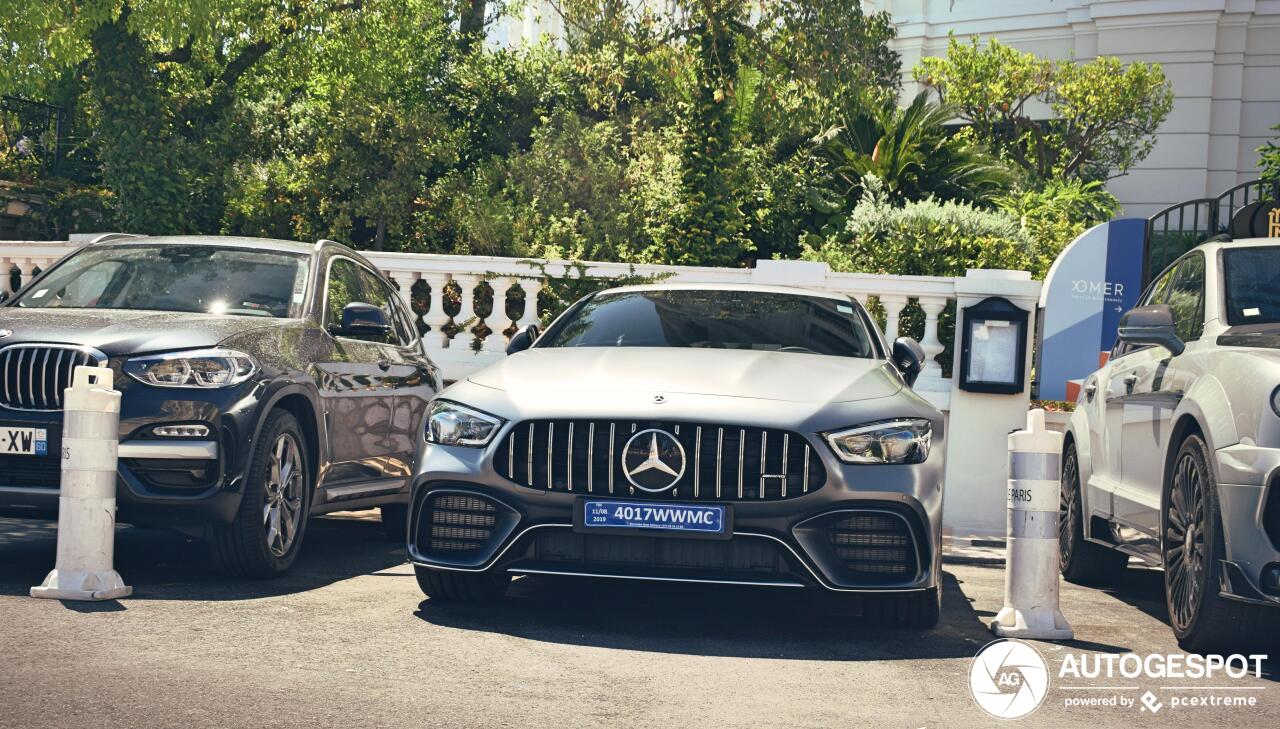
pixel 303 404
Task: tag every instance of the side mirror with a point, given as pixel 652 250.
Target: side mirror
pixel 362 320
pixel 1151 325
pixel 908 357
pixel 523 339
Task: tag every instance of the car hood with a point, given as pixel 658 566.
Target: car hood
pixel 119 332
pixel 785 376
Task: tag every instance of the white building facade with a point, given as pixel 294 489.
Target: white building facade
pixel 1222 57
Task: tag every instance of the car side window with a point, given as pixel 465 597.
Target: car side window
pixel 1185 296
pixel 400 319
pixel 376 293
pixel 343 288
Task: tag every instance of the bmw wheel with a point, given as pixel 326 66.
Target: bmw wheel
pixel 1082 561
pixel 264 538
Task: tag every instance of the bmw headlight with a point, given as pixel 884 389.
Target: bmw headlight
pixel 890 441
pixel 449 423
pixel 204 368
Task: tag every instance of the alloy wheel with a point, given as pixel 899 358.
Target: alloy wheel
pixel 1067 509
pixel 1184 544
pixel 282 511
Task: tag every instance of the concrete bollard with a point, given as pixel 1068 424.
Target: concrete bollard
pixel 1031 564
pixel 87 503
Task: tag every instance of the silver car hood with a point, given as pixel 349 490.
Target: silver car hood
pixel 782 376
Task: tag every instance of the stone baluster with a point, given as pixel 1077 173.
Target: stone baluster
pixel 465 318
pixel 931 345
pixel 435 317
pixel 893 305
pixel 531 314
pixel 497 320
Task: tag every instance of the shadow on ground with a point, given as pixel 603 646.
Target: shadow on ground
pixel 710 620
pixel 166 565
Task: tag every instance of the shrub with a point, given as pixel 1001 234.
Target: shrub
pixel 1056 214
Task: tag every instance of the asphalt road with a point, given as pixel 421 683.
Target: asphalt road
pixel 348 640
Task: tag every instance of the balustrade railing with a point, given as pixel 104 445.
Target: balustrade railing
pixel 467 307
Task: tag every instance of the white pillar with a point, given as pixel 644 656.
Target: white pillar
pixel 497 320
pixel 978 424
pixel 931 345
pixel 893 305
pixel 531 314
pixel 435 317
pixel 465 319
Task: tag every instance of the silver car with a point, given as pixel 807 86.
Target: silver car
pixel 1173 452
pixel 754 435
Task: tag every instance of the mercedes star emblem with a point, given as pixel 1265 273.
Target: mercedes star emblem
pixel 659 399
pixel 653 460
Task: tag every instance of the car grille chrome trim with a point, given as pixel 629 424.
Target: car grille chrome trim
pixel 771 464
pixel 33 376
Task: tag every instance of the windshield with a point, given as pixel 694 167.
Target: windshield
pixel 1250 275
pixel 187 278
pixel 763 321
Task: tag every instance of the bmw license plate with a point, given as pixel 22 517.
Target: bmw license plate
pixel 23 441
pixel 634 515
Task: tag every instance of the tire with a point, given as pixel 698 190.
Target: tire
pixel 914 610
pixel 1192 548
pixel 1082 562
pixel 447 586
pixel 395 522
pixel 264 538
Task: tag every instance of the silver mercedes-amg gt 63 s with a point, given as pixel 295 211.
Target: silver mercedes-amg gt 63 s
pixel 1173 452
pixel 755 435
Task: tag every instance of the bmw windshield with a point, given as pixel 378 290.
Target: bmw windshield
pixel 1250 275
pixel 715 319
pixel 183 278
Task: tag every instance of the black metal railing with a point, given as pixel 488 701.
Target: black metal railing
pixel 1179 228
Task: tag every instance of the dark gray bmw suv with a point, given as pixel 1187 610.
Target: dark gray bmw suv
pixel 263 381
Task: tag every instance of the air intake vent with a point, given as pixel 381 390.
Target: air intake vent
pixel 720 462
pixel 456 524
pixel 33 376
pixel 874 546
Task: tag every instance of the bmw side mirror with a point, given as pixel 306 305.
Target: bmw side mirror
pixel 908 357
pixel 1151 325
pixel 362 320
pixel 523 339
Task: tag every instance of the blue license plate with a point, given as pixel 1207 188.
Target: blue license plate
pixel 639 515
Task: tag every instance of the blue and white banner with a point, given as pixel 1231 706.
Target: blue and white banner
pixel 1095 280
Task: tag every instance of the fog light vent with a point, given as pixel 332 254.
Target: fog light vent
pixel 875 545
pixel 459 523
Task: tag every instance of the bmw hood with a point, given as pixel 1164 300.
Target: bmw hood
pixel 117 332
pixel 782 376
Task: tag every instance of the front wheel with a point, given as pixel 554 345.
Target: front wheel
pixel 1191 551
pixel 266 535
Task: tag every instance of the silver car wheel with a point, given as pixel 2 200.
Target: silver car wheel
pixel 282 510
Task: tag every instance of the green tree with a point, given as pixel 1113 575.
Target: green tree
pixel 1269 158
pixel 911 152
pixel 1104 113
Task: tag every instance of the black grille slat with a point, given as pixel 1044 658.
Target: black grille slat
pixel 722 462
pixel 457 523
pixel 33 377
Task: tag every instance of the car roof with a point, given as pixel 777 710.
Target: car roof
pixel 1240 243
pixel 229 241
pixel 761 288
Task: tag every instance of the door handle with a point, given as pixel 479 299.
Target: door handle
pixel 1129 381
pixel 1089 390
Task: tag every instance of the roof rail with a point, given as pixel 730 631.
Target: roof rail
pixel 113 236
pixel 1220 238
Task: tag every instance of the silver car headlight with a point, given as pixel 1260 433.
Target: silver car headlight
pixel 449 423
pixel 905 440
pixel 202 368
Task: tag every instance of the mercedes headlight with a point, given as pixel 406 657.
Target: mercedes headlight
pixel 203 368
pixel 890 441
pixel 449 423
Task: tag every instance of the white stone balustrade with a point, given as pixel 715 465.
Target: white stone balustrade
pixel 456 354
